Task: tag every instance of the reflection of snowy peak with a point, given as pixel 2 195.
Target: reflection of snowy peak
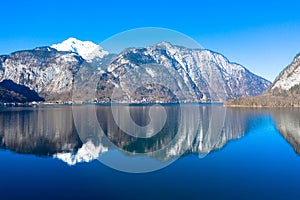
pixel 86 153
pixel 86 49
pixel 186 130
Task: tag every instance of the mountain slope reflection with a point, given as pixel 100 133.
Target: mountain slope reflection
pixel 39 131
pixel 288 124
pixel 186 129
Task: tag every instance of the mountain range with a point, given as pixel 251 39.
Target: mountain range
pixel 283 92
pixel 170 73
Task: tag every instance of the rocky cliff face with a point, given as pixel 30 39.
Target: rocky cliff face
pixel 45 70
pixel 288 81
pixel 196 75
pixel 206 74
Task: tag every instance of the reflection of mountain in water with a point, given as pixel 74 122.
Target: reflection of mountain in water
pixel 288 124
pixel 222 126
pixel 187 129
pixel 40 131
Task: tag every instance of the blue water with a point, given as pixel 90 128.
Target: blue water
pixel 261 164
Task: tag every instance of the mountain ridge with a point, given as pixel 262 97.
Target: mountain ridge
pixel 198 69
pixel 291 71
pixel 51 73
pixel 283 92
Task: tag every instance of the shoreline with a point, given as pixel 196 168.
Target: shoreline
pixel 36 104
pixel 267 106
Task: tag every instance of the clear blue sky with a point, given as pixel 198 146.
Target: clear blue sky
pixel 264 37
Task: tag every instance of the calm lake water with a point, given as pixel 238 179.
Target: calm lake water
pixel 188 151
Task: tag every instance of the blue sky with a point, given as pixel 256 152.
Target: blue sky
pixel 264 37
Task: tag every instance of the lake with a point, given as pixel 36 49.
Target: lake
pixel 186 151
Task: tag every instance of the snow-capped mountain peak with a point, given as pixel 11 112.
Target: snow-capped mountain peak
pixel 86 49
pixel 164 44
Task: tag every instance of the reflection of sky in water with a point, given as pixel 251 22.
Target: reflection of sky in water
pixel 261 164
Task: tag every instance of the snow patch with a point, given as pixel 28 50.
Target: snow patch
pixel 289 82
pixel 86 153
pixel 86 49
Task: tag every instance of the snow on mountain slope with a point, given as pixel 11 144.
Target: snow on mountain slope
pixel 289 77
pixel 192 75
pixel 86 49
pixel 208 74
pixel 45 70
